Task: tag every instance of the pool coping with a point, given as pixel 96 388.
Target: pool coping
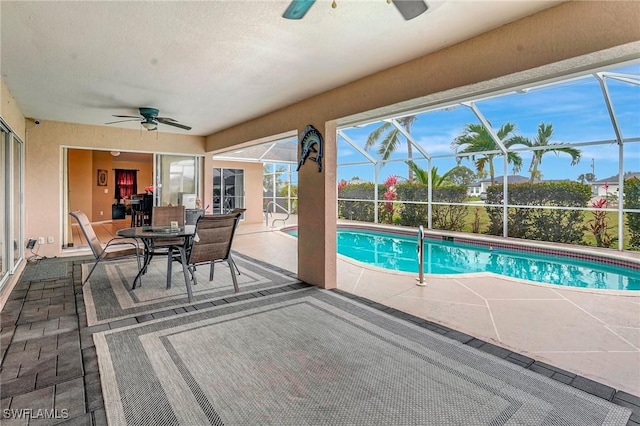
pixel 627 259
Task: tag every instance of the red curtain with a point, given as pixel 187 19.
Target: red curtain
pixel 126 183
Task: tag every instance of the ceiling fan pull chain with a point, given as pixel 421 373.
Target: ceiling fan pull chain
pixel 334 4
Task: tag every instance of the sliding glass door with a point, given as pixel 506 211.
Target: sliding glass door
pixel 11 204
pixel 17 151
pixel 4 229
pixel 177 177
pixel 228 190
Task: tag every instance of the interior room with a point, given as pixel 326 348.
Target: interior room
pixel 96 173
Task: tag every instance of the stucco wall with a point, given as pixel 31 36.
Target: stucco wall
pixel 533 48
pixel 10 111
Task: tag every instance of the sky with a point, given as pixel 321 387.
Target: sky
pixel 576 109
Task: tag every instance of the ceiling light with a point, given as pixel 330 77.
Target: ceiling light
pixel 149 125
pixel 115 153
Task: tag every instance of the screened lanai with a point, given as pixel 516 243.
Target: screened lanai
pixel 280 180
pixel 557 161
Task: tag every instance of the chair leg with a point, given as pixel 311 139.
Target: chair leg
pixel 139 267
pixel 233 275
pixel 187 281
pixel 235 265
pixel 169 263
pixel 193 275
pixel 211 270
pixel 91 272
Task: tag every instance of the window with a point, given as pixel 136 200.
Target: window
pixel 126 183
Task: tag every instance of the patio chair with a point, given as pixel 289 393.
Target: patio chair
pixel 239 212
pixel 163 216
pixel 129 247
pixel 211 243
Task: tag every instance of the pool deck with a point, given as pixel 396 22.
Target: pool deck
pixel 593 333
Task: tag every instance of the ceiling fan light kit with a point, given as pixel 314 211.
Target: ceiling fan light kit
pixel 409 9
pixel 150 125
pixel 150 120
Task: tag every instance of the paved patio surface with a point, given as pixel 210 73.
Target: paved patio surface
pixel 587 340
pixel 592 333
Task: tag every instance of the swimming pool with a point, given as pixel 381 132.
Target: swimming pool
pixel 398 252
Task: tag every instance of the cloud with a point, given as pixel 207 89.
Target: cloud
pixel 345 152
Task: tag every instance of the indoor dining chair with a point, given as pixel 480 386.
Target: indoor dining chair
pixel 127 247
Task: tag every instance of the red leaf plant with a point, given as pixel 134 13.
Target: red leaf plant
pixel 390 195
pixel 599 225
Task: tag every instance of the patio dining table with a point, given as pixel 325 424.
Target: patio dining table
pixel 149 234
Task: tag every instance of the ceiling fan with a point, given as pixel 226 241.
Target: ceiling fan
pixel 409 9
pixel 149 119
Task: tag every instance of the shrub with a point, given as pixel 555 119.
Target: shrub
pixel 446 217
pixel 449 217
pixel 632 201
pixel 563 226
pixel 356 210
pixel 413 214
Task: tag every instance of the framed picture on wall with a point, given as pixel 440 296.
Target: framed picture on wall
pixel 102 177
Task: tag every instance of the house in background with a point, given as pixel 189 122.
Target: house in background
pixel 610 186
pixel 477 188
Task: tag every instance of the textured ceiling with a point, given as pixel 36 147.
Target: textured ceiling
pixel 213 64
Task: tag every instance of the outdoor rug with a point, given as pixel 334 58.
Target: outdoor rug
pixel 44 269
pixel 108 295
pixel 314 357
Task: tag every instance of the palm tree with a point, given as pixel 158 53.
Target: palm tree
pixel 476 138
pixel 589 177
pixel 545 131
pixel 388 137
pixel 422 176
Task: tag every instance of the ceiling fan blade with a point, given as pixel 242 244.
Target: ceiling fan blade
pixel 166 119
pixel 123 121
pixel 297 9
pixel 172 123
pixel 126 116
pixel 409 9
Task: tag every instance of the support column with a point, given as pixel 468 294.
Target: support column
pixel 317 214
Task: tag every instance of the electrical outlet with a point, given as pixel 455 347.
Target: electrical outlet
pixel 31 243
pixel 40 240
pixel 50 240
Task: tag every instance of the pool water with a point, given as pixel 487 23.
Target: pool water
pixel 399 252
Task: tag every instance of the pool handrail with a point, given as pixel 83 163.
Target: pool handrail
pixel 266 213
pixel 421 256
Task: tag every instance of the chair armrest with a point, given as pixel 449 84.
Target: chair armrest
pixel 121 241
